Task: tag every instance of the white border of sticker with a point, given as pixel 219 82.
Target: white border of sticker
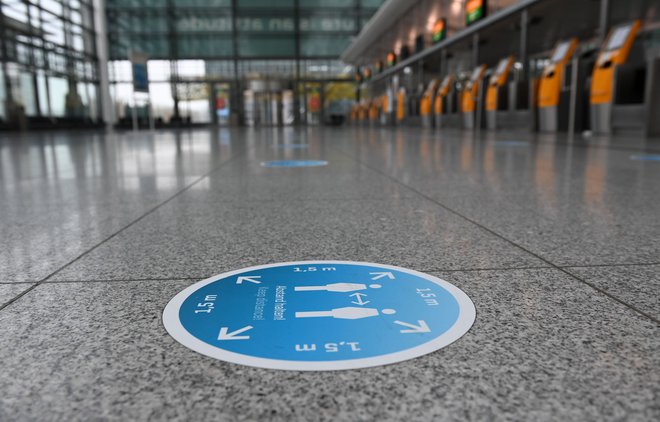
pixel 466 317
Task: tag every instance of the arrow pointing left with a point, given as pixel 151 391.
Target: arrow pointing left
pixel 226 335
pixel 248 278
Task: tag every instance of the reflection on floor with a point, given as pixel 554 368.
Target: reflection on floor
pixel 554 239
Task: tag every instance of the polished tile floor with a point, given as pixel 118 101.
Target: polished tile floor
pixel 556 240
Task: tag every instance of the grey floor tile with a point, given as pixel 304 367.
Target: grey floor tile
pixel 421 235
pixel 10 291
pixel 638 285
pixel 544 347
pixel 188 238
pixel 61 194
pixel 573 206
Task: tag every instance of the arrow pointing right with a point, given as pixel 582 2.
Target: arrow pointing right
pixel 421 328
pixel 381 275
pixel 226 335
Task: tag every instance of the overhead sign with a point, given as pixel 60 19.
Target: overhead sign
pixel 203 23
pixel 140 72
pixel 475 10
pixel 391 59
pixel 294 163
pixel 319 315
pixel 439 30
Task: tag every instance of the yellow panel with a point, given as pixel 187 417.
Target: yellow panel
pixel 425 102
pixel 401 104
pixel 491 98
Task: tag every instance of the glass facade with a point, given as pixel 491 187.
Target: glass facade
pixel 194 46
pixel 49 62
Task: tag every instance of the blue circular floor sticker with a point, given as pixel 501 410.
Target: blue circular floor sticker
pixel 294 163
pixel 319 315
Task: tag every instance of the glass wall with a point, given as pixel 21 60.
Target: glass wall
pixel 49 62
pixel 194 45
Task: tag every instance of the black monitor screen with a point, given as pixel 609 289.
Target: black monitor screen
pixel 618 38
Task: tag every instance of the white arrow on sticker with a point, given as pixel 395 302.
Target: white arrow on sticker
pixel 421 328
pixel 381 275
pixel 226 335
pixel 248 278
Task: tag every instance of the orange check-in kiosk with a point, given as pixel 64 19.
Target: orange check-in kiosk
pixel 470 96
pixel 613 54
pixel 385 109
pixel 441 103
pixel 553 92
pixel 496 94
pixel 374 110
pixel 400 106
pixel 426 103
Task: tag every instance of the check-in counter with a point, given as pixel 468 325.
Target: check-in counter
pixel 386 109
pixel 497 94
pixel 401 106
pixel 608 73
pixel 362 113
pixel 444 104
pixel 553 101
pixel 374 111
pixel 471 97
pixel 625 85
pixel 426 104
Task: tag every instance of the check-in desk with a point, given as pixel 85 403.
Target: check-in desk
pixel 471 97
pixel 497 94
pixel 363 113
pixel 401 112
pixel 625 86
pixel 374 112
pixel 554 92
pixel 426 104
pixel 386 110
pixel 445 104
pixel 622 85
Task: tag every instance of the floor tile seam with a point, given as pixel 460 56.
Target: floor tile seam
pixel 119 280
pixel 204 277
pixel 131 224
pixel 15 283
pixel 493 232
pixel 636 264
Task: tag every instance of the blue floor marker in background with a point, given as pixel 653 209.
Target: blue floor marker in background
pixel 645 157
pixel 294 163
pixel 292 146
pixel 511 143
pixel 319 315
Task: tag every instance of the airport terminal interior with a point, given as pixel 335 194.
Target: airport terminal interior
pixel 330 210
